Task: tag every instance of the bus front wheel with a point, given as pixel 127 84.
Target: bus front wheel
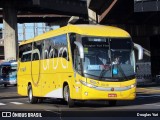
pixel 31 98
pixel 66 94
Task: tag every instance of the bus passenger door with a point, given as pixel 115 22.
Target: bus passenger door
pixel 35 73
pixel 24 73
pixel 77 75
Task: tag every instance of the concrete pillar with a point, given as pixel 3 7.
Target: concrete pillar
pixel 92 16
pixel 10 32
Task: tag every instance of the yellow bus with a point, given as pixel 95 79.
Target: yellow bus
pixel 76 62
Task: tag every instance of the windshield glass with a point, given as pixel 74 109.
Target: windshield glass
pixel 8 71
pixel 108 59
pixel 122 63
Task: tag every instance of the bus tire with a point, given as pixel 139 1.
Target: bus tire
pixel 63 101
pixel 66 92
pixel 31 98
pixel 112 102
pixel 5 85
pixel 40 100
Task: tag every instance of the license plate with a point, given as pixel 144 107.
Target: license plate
pixel 112 95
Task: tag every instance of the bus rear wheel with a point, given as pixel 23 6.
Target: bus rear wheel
pixel 66 94
pixel 31 98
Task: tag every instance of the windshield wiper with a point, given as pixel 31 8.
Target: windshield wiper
pixel 90 74
pixel 122 72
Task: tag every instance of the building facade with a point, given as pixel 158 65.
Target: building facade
pixel 1 46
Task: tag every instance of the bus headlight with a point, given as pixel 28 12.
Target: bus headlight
pixel 87 84
pixel 134 85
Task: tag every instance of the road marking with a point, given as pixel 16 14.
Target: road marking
pixel 17 103
pixel 2 104
pixel 49 110
pixel 148 96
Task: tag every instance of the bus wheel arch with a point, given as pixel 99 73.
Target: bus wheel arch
pixel 66 95
pixel 31 98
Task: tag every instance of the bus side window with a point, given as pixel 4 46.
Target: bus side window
pixel 77 61
pixel 72 38
pixel 64 55
pixel 35 56
pixel 23 59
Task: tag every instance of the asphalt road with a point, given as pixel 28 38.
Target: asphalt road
pixel 148 99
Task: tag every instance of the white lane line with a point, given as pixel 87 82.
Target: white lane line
pixel 148 96
pixel 17 103
pixel 2 104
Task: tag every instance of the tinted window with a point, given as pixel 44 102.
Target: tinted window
pixel 121 43
pixel 24 53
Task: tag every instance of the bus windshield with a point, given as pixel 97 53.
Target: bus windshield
pixel 8 71
pixel 108 59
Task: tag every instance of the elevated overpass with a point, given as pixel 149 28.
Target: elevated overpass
pixel 44 10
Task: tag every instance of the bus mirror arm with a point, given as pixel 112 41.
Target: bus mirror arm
pixel 81 52
pixel 80 49
pixel 140 51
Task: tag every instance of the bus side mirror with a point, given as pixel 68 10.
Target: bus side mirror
pixel 80 49
pixel 81 53
pixel 140 51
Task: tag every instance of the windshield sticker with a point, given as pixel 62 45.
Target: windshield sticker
pixel 85 50
pixel 115 71
pixel 93 67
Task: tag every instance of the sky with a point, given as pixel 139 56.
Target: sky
pixel 31 30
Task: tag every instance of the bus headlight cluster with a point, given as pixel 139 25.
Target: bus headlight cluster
pixel 134 85
pixel 87 84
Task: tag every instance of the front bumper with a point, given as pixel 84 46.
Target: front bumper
pixel 90 92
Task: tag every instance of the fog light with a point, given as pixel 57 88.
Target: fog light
pixel 86 93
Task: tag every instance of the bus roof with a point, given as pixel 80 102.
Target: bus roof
pixel 90 30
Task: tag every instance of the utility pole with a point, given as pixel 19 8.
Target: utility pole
pixel 24 31
pixel 36 29
pixel 44 27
